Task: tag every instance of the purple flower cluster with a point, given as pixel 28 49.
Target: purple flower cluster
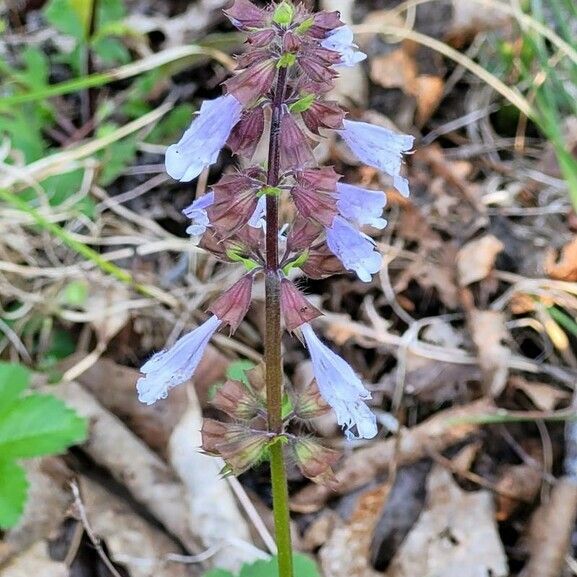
pixel 325 236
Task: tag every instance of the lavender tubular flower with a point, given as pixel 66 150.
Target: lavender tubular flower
pixel 361 205
pixel 174 366
pixel 198 215
pixel 354 249
pixel 202 142
pixel 341 41
pixel 379 147
pixel 340 388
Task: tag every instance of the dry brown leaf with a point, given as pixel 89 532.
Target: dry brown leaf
pixel 131 463
pixel 397 69
pixel 551 529
pixel 543 396
pixel 347 552
pixel 428 91
pixel 36 562
pixel 130 540
pixel 455 536
pixel 213 511
pixel 517 485
pixel 564 268
pixel 476 259
pixel 444 429
pixel 488 331
pixel 48 500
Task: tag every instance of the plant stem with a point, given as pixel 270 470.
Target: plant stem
pixel 273 334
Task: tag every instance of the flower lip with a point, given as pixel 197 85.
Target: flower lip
pixel 341 40
pixel 361 205
pixel 341 388
pixel 174 366
pixel 202 142
pixel 354 249
pixel 379 147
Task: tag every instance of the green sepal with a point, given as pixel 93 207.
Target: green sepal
pixel 269 191
pixel 287 60
pixel 248 263
pixel 305 26
pixel 296 263
pixel 303 103
pixel 284 14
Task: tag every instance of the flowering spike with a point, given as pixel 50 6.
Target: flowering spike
pixel 314 461
pixel 231 306
pixel 201 144
pixel 361 205
pixel 176 365
pixel 341 388
pixel 240 446
pixel 354 249
pixel 295 308
pixel 379 147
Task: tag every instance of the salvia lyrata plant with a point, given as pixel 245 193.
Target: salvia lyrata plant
pixel 278 98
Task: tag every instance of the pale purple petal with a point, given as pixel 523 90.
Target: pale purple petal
pixel 257 220
pixel 341 40
pixel 198 215
pixel 379 147
pixel 176 365
pixel 354 249
pixel 341 388
pixel 361 205
pixel 202 142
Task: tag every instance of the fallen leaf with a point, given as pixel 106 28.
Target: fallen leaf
pixel 517 485
pixel 35 561
pixel 428 90
pixel 488 331
pixel 564 268
pixel 213 511
pixel 476 259
pixel 397 69
pixel 346 553
pixel 455 536
pixel 543 396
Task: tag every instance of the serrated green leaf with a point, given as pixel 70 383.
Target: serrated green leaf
pixel 13 381
pixel 13 491
pixel 39 425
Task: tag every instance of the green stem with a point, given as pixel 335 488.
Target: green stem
pixel 273 334
pixel 281 510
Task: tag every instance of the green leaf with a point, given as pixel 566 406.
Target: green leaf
pixel 237 371
pixel 303 566
pixel 218 573
pixel 39 425
pixel 62 16
pixel 13 490
pixel 14 380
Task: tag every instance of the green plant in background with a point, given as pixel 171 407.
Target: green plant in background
pixel 303 567
pixel 550 77
pixel 31 425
